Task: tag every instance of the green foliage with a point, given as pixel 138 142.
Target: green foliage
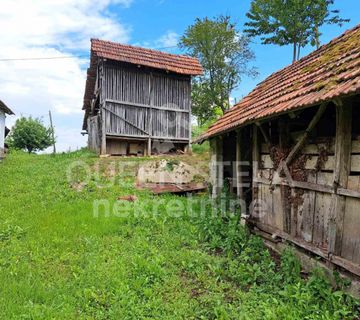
pixel 270 290
pixel 203 148
pixel 295 22
pixel 58 261
pixel 30 134
pixel 170 164
pixel 196 132
pixel 224 54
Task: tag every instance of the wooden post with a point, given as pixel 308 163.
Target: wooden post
pixel 239 180
pixel 341 175
pixel 255 160
pixel 149 147
pixel 216 166
pixel 285 191
pixel 102 115
pixel 103 131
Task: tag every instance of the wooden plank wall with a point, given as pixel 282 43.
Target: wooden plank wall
pixel 94 134
pixel 134 97
pixel 311 209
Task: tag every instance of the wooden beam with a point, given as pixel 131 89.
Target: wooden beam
pixel 339 261
pixel 341 175
pixel 312 187
pixel 266 137
pixel 301 243
pixel 140 105
pixel 305 136
pixel 145 137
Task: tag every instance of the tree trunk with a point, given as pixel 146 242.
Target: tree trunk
pixel 294 53
pixel 298 53
pixel 317 37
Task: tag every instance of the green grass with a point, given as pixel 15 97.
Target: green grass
pixel 58 261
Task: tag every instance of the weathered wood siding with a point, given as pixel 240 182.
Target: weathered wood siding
pixel 312 201
pixel 94 133
pixel 141 103
pixel 310 208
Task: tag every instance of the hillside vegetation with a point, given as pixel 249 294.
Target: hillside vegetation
pixel 61 260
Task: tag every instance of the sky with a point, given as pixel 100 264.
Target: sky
pixel 63 28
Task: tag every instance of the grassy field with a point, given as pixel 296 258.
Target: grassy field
pixel 60 261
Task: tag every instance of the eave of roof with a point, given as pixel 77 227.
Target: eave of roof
pixel 5 108
pixel 330 72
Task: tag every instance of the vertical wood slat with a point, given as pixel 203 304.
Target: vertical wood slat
pixel 341 175
pixel 283 212
pixel 146 88
pixel 150 114
pixel 255 162
pixel 306 213
pixel 239 182
pixel 216 166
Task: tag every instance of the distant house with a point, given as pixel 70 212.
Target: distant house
pixel 137 101
pixel 295 145
pixel 4 110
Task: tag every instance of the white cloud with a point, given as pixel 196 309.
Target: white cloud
pixel 167 42
pixel 57 28
pixel 169 39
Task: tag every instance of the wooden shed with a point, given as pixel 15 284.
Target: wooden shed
pixel 4 110
pixel 137 100
pixel 291 150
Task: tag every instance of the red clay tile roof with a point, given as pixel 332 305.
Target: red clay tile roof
pixel 327 73
pixel 146 57
pixel 5 108
pixel 135 55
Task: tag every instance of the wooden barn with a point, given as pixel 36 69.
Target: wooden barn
pixel 137 101
pixel 4 110
pixel 291 150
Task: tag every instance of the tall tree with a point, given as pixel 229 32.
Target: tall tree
pixel 296 22
pixel 224 54
pixel 31 135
